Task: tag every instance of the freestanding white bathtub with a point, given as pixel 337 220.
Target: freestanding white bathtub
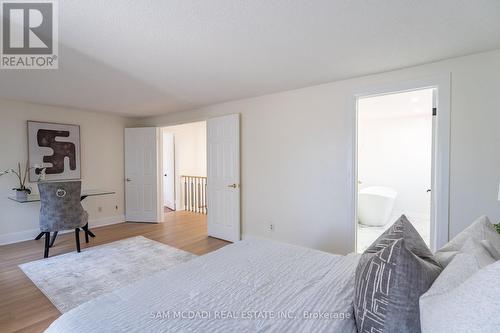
pixel 375 205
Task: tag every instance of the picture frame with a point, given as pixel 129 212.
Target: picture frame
pixel 56 148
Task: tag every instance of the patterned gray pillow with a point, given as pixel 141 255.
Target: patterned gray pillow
pixel 391 276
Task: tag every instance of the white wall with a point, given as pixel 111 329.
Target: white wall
pixel 101 156
pixel 190 154
pixel 297 152
pixel 395 148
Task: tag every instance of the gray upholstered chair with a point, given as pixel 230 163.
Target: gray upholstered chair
pixel 61 209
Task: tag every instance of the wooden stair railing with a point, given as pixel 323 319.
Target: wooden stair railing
pixel 195 193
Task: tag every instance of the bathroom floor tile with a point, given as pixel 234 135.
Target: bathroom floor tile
pixel 367 235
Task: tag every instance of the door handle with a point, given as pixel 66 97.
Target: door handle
pixel 234 186
pixel 128 179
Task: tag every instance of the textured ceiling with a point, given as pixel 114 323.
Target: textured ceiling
pixel 149 57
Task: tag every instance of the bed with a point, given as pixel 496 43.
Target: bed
pixel 250 286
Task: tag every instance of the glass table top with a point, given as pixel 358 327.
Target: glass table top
pixel 85 193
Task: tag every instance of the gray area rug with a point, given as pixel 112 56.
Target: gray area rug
pixel 71 279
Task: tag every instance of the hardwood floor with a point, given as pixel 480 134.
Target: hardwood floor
pixel 23 308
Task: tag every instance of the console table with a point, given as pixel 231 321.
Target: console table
pixel 84 195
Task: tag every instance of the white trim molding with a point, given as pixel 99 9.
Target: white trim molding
pixel 106 221
pixel 25 235
pixel 441 159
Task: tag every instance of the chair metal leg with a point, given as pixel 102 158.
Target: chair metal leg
pixel 47 245
pixel 91 234
pixel 40 235
pixel 77 238
pixel 86 230
pixel 53 238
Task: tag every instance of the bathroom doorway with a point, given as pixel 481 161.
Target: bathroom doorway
pixel 396 150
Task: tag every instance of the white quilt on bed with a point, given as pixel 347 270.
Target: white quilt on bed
pixel 250 286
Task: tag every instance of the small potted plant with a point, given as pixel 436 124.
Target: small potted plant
pixel 23 191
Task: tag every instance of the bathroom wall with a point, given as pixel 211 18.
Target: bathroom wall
pixel 395 148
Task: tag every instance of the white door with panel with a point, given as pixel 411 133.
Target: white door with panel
pixel 141 174
pixel 169 170
pixel 223 173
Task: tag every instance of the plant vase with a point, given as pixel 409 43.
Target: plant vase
pixel 21 195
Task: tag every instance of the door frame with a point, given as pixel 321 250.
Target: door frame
pixel 161 129
pixel 440 196
pixel 161 157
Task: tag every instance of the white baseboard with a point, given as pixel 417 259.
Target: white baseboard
pixel 21 236
pixel 107 221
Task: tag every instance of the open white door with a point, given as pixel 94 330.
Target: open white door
pixel 141 175
pixel 168 170
pixel 223 173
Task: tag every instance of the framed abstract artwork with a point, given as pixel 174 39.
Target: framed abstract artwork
pixel 55 147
